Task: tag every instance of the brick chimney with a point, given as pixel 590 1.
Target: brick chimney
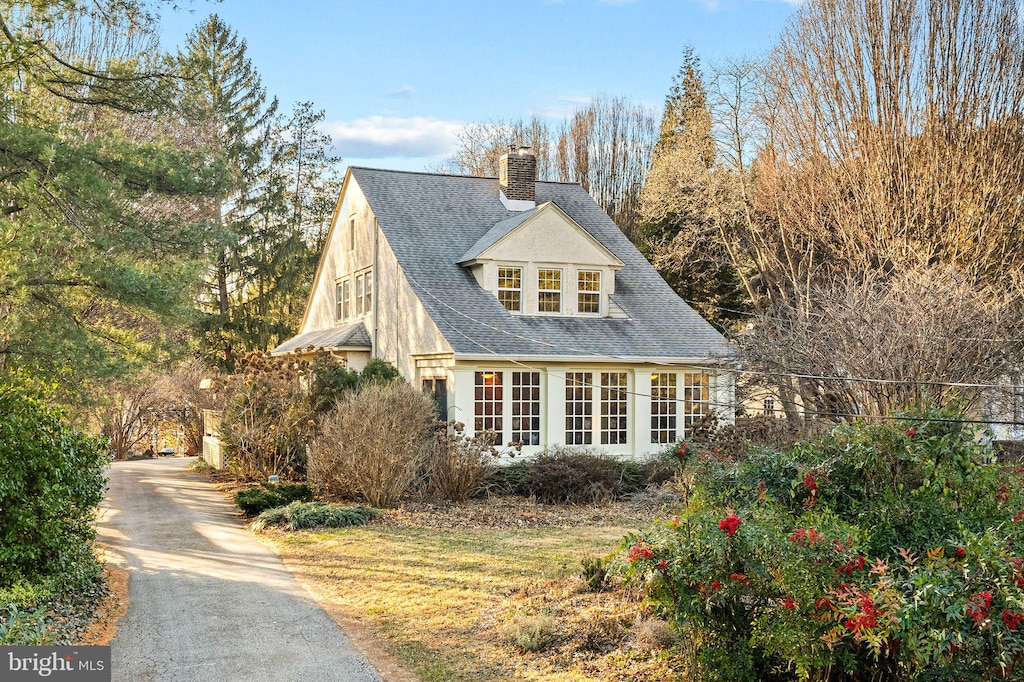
pixel 517 176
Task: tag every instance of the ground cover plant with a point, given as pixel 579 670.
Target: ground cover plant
pixel 300 515
pixel 889 551
pixel 270 495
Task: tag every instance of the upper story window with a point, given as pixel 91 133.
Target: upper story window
pixel 359 295
pixel 354 296
pixel 352 233
pixel 344 300
pixel 549 291
pixel 510 288
pixel 588 292
pixel 368 293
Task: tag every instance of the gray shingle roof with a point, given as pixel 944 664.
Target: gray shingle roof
pixel 352 335
pixel 432 220
pixel 492 235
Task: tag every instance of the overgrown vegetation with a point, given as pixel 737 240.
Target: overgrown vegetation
pixel 300 515
pixel 878 551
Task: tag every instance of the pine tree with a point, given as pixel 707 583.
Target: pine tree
pixel 225 94
pixel 97 184
pixel 682 230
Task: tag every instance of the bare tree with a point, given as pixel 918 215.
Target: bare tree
pixel 868 188
pixel 482 144
pixel 607 147
pixel 131 412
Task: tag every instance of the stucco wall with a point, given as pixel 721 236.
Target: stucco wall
pixel 403 328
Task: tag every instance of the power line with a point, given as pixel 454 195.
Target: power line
pixel 734 370
pixel 717 404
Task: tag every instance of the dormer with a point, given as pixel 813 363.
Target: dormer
pixel 542 262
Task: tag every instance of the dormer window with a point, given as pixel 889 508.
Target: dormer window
pixel 549 291
pixel 510 288
pixel 588 292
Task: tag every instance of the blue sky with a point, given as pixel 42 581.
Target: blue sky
pixel 398 78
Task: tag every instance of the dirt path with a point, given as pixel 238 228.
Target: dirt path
pixel 207 601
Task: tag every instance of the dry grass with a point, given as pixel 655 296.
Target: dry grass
pixel 439 591
pixel 481 603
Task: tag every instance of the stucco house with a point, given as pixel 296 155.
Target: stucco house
pixel 519 304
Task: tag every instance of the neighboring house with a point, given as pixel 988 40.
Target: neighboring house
pixel 518 304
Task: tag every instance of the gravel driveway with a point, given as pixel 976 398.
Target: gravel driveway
pixel 208 601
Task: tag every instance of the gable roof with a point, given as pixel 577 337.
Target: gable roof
pixel 352 335
pixel 507 226
pixel 431 221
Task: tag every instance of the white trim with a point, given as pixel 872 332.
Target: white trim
pixel 516 204
pixel 496 357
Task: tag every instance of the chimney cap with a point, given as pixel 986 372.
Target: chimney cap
pixel 520 149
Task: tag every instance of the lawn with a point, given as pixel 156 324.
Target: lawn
pixel 491 591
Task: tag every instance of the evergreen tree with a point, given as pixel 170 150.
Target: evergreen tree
pixel 97 185
pixel 225 94
pixel 682 230
pixel 272 219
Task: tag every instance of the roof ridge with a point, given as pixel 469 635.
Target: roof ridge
pixel 453 175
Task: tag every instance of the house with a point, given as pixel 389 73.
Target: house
pixel 518 304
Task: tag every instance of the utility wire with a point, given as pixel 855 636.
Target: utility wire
pixel 734 370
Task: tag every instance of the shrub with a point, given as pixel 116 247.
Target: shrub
pixel 300 515
pixel 373 444
pixel 577 476
pixel 268 420
pixel 379 371
pixel 459 465
pixel 23 628
pixel 252 502
pixel 51 485
pixel 876 552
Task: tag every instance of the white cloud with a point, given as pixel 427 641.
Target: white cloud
pixel 564 106
pixel 380 137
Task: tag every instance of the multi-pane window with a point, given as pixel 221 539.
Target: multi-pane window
pixel 359 294
pixel 695 398
pixel 510 288
pixel 768 406
pixel 579 408
pixel 588 291
pixel 488 402
pixel 614 404
pixel 549 291
pixel 368 294
pixel 526 408
pixel 663 407
pixel 343 294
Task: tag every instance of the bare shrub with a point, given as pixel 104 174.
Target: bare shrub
pixel 458 464
pixel 650 634
pixel 372 445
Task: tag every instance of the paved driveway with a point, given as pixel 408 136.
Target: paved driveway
pixel 208 601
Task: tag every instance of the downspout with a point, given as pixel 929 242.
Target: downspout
pixel 376 286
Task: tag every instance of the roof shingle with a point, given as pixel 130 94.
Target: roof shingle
pixel 433 221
